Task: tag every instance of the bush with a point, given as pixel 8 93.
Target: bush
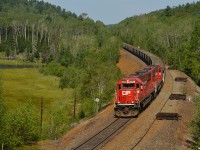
pixel 88 107
pixel 81 114
pixel 53 68
pixel 58 120
pixel 20 126
pixel 195 124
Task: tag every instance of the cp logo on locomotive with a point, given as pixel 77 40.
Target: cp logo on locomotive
pixel 126 92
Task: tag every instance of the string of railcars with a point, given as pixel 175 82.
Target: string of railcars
pixel 137 90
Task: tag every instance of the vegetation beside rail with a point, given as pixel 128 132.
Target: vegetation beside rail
pixel 21 107
pixel 195 124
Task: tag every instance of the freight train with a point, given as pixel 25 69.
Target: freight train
pixel 135 91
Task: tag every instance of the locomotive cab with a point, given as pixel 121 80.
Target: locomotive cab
pixel 135 92
pixel 127 98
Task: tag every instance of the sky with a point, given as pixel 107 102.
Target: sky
pixel 114 11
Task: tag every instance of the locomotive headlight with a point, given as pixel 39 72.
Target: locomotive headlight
pixel 132 102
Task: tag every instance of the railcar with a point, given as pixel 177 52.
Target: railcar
pixel 136 91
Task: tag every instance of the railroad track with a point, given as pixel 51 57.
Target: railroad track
pixel 171 116
pixel 100 138
pixel 160 111
pixel 103 135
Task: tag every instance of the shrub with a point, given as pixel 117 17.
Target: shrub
pixel 81 114
pixel 195 125
pixel 53 68
pixel 20 126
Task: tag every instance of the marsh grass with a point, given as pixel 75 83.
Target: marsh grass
pixel 21 85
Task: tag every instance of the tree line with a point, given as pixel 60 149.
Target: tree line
pixel 171 33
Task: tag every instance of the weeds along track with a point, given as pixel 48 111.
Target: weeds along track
pixel 103 135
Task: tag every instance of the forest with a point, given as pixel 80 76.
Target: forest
pixel 80 52
pixel 171 33
pixel 83 55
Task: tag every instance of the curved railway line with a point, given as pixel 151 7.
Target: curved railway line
pixel 104 134
pixel 109 135
pixel 142 137
pixel 138 140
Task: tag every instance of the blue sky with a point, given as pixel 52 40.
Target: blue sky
pixel 114 11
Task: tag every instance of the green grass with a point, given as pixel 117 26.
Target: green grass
pixel 18 62
pixel 21 85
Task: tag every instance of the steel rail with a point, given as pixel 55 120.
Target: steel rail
pixel 101 136
pixel 148 129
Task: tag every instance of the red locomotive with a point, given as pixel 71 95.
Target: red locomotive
pixel 137 90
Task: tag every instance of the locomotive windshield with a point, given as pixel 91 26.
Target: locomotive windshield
pixel 128 85
pixel 119 86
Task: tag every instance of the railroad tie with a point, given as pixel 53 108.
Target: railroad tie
pixel 180 79
pixel 177 97
pixel 171 68
pixel 167 116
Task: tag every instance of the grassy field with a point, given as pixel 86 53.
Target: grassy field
pixel 18 62
pixel 21 85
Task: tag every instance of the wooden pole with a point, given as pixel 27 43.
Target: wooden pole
pixel 75 104
pixel 41 111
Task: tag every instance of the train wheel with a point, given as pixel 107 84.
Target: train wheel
pixel 141 108
pixel 154 95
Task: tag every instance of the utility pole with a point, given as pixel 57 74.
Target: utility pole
pixel 75 104
pixel 41 111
